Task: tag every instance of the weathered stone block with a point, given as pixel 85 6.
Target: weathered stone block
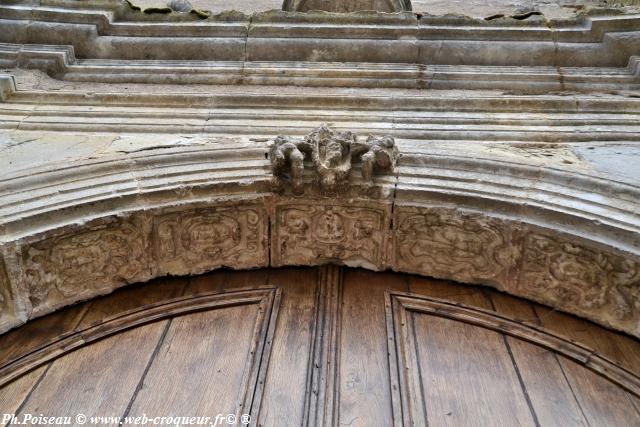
pixel 321 232
pixel 8 305
pixel 581 278
pixel 193 241
pixel 76 265
pixel 452 244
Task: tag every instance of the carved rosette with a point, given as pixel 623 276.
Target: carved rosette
pixel 71 267
pixel 446 243
pixel 203 239
pixel 579 278
pixel 317 234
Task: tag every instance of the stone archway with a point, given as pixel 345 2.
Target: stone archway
pixel 474 225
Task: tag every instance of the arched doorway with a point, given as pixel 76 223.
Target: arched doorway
pixel 319 346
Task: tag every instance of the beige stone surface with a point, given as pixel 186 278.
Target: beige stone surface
pixel 314 232
pixel 474 8
pixel 442 242
pixel 6 302
pixel 197 240
pixel 78 264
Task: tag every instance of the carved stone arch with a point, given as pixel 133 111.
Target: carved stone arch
pixel 581 258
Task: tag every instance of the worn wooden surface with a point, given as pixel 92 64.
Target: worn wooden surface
pixel 327 346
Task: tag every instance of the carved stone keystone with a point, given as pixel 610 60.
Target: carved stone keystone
pixel 332 154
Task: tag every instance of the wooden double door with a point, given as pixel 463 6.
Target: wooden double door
pixel 318 346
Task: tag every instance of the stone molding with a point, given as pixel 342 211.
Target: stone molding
pixel 567 272
pixel 599 40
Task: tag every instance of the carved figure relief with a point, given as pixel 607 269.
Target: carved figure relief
pixel 308 234
pixel 332 154
pixel 577 276
pixel 206 238
pixel 446 243
pixel 101 257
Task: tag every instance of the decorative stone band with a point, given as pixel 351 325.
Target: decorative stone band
pixel 46 272
pixel 80 262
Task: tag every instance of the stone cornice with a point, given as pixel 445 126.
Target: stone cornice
pixel 60 61
pixel 607 40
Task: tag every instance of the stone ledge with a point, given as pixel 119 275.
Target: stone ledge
pixel 589 41
pixel 60 61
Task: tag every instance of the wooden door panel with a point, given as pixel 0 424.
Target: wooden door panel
pixel 16 392
pixel 209 380
pixel 549 392
pixel 454 374
pixel 328 346
pixel 454 365
pixel 602 402
pixel 364 371
pixel 212 362
pixel 285 392
pixel 90 371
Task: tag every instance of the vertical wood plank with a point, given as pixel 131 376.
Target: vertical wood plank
pixel 98 379
pixel 602 402
pixel 364 393
pixel 16 392
pixel 616 346
pixel 199 368
pixel 542 373
pixel 499 376
pixel 320 408
pixel 468 376
pixel 286 380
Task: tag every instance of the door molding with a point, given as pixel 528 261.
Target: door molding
pixel 407 396
pixel 253 379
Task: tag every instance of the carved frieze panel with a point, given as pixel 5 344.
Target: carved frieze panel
pixel 319 233
pixel 74 266
pixel 447 243
pixel 207 238
pixel 580 278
